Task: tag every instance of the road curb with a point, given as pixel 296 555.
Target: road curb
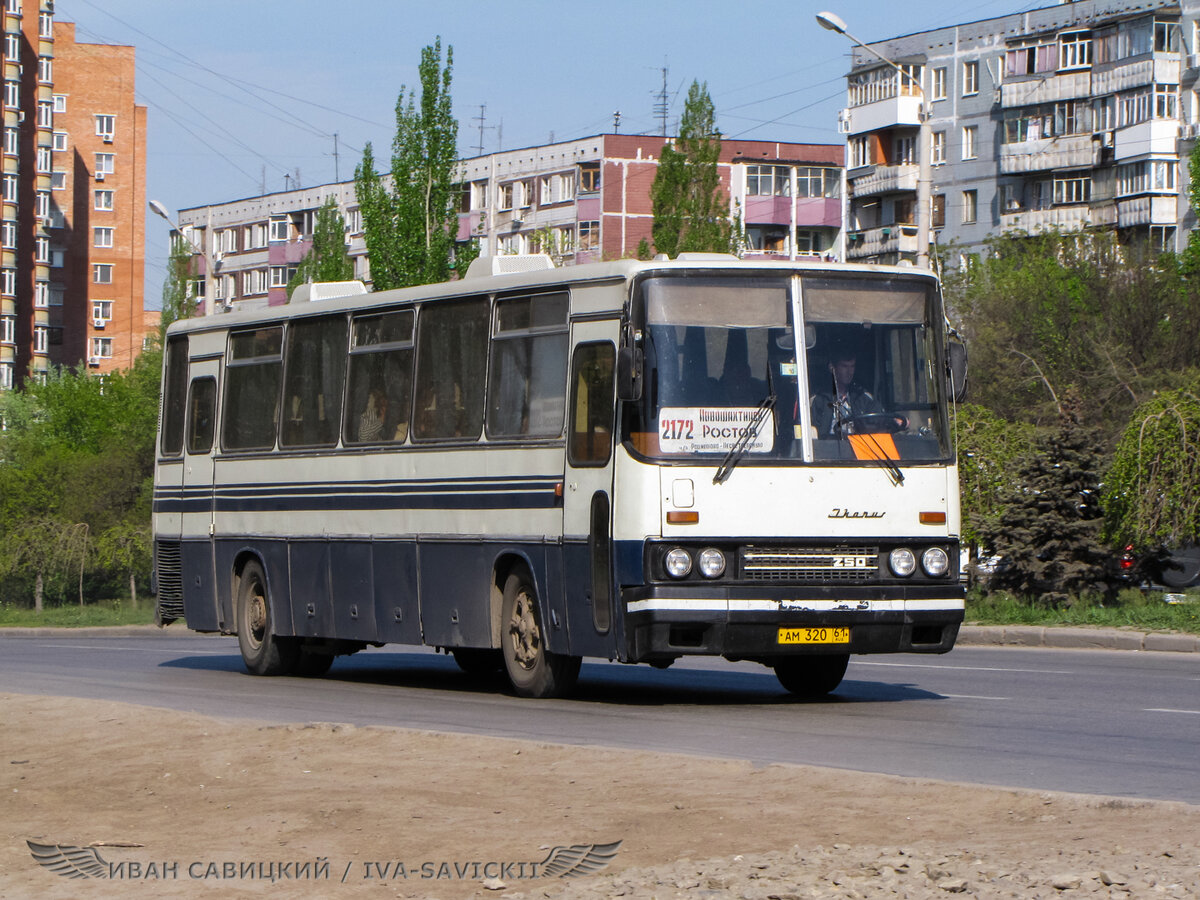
pixel 1077 638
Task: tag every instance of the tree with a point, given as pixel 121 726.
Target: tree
pixel 1049 530
pixel 410 225
pixel 691 212
pixel 988 448
pixel 327 259
pixel 177 301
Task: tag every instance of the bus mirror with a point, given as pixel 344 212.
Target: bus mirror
pixel 956 367
pixel 629 373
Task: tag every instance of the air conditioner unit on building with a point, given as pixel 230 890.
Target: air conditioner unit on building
pixel 99 322
pixel 99 176
pixel 1189 130
pixel 843 121
pixel 1193 60
pixel 1106 139
pixel 93 361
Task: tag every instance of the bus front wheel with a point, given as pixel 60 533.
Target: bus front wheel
pixel 532 669
pixel 263 651
pixel 811 676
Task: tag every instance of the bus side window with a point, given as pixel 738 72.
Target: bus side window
pixel 528 367
pixel 250 414
pixel 452 340
pixel 202 419
pixel 312 389
pixel 381 360
pixel 591 438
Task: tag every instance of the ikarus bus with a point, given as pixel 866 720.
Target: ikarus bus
pixel 632 461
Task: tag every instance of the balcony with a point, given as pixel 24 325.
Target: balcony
pixel 1067 86
pixel 898 239
pixel 1163 68
pixel 904 109
pixel 1060 218
pixel 1068 152
pixel 1155 136
pixel 884 180
pixel 1151 210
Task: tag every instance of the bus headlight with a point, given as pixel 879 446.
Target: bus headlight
pixel 935 562
pixel 902 561
pixel 711 563
pixel 678 562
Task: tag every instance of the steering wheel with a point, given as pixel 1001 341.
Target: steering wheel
pixel 877 423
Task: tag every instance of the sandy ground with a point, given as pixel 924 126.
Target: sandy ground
pixel 182 805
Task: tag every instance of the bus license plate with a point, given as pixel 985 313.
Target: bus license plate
pixel 814 635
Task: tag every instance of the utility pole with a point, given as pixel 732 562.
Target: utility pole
pixel 336 175
pixel 617 122
pixel 481 118
pixel 662 107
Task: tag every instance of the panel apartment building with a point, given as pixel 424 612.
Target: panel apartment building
pixel 72 199
pixel 580 201
pixel 1065 117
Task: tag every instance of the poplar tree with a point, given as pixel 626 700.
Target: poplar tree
pixel 691 212
pixel 410 224
pixel 327 259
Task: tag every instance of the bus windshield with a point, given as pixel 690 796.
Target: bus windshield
pixel 724 372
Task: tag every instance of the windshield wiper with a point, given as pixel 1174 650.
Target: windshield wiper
pixel 749 433
pixel 882 459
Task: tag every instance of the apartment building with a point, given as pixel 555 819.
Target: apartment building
pixel 72 199
pixel 1066 117
pixel 579 201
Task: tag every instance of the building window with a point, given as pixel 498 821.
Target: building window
pixel 354 223
pixel 56 294
pixel 938 88
pixel 45 160
pixel 504 199
pixel 280 228
pixel 860 152
pixel 45 114
pixel 102 310
pixel 58 181
pixel 1166 101
pixel 103 200
pixel 281 275
pixel 60 103
pixel 969 134
pixel 41 339
pixel 101 348
pixel 1072 190
pixel 41 295
pixel 8 188
pixel 255 236
pixel 106 163
pixel 589 178
pixel 970 207
pixel 8 234
pixel 42 205
pixel 46 70
pixel 45 25
pixel 6 376
pixel 8 330
pixel 102 273
pixel 12 46
pixel 41 249
pixel 102 236
pixel 12 141
pixel 970 73
pixel 937 152
pixel 589 236
pixel 818 183
pixel 12 95
pixel 938 203
pixel 768 181
pixel 8 282
pixel 225 241
pixel 479 194
pixel 59 141
pixel 254 281
pixel 1166 37
pixel 106 127
pixel 1075 50
pixel 1162 238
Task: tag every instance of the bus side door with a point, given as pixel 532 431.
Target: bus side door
pixel 197 530
pixel 587 488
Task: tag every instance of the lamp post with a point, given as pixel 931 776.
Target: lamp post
pixel 159 210
pixel 832 22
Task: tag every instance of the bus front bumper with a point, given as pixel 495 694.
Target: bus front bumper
pixel 666 622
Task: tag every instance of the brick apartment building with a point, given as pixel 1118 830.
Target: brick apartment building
pixel 72 199
pixel 580 201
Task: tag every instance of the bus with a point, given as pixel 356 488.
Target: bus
pixel 631 460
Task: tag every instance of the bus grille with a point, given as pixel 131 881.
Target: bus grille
pixel 810 565
pixel 169 575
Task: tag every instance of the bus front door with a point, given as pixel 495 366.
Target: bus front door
pixel 587 489
pixel 198 520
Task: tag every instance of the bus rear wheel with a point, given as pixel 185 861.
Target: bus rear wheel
pixel 811 676
pixel 263 651
pixel 532 669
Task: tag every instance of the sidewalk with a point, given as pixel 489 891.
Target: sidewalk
pixel 1072 637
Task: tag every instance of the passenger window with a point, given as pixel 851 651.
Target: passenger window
pixel 528 367
pixel 591 437
pixel 452 339
pixel 202 409
pixel 174 396
pixel 381 361
pixel 252 376
pixel 315 374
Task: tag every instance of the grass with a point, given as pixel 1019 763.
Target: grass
pixel 1143 611
pixel 72 615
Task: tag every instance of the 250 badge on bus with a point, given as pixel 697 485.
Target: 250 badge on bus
pixel 712 429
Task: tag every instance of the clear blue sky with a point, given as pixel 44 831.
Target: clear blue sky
pixel 242 94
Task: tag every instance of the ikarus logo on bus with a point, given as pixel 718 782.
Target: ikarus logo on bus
pixel 699 429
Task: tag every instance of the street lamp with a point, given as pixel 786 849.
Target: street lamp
pixel 832 22
pixel 159 210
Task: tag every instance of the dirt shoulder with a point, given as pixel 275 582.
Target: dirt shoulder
pixel 182 803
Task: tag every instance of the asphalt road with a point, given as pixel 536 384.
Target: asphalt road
pixel 1104 722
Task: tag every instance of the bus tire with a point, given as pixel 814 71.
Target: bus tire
pixel 811 676
pixel 478 661
pixel 532 670
pixel 263 651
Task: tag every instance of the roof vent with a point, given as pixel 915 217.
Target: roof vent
pixel 326 290
pixel 509 264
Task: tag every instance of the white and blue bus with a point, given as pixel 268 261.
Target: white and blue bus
pixel 635 461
